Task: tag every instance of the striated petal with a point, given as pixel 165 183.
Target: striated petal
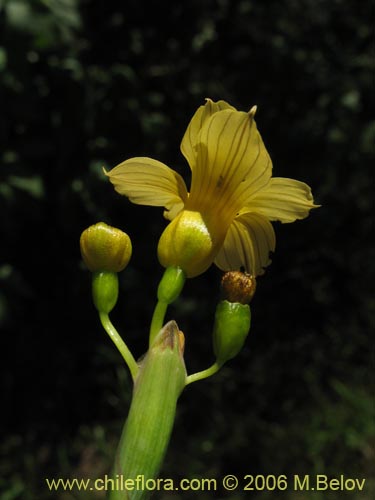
pixel 232 163
pixel 149 182
pixel 283 199
pixel 189 141
pixel 248 244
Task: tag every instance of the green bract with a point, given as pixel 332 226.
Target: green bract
pixel 232 325
pixel 171 284
pixel 104 291
pixel 160 380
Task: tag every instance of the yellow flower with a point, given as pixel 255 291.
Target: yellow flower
pixel 225 218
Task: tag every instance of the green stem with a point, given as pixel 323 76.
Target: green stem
pixel 148 428
pixel 203 374
pixel 119 343
pixel 157 319
pixel 170 287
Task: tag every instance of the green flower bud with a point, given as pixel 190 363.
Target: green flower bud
pixel 171 284
pixel 105 248
pixel 105 290
pixel 232 325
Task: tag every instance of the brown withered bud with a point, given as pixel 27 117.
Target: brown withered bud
pixel 238 287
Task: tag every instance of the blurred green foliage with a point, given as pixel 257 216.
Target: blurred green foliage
pixel 85 83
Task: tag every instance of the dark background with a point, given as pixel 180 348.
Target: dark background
pixel 86 84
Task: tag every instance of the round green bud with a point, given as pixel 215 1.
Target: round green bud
pixel 171 284
pixel 105 248
pixel 105 290
pixel 232 325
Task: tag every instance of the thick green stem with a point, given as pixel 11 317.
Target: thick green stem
pixel 147 431
pixel 119 343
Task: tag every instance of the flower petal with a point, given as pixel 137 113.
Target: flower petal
pixel 248 244
pixel 146 181
pixel 189 141
pixel 283 199
pixel 232 163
